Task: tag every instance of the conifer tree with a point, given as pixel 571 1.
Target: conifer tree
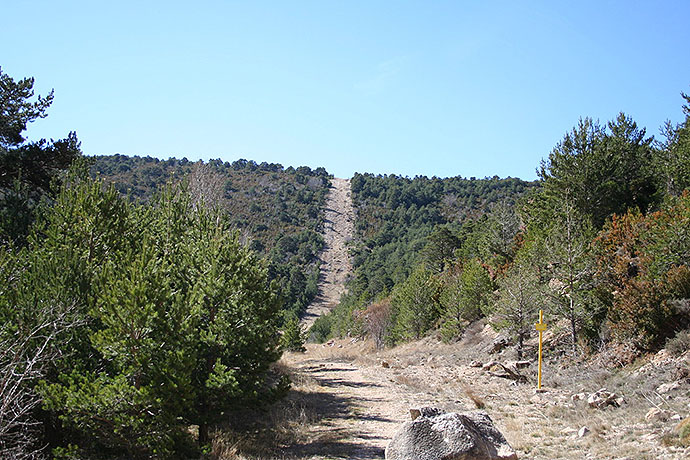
pixel 519 298
pixel 415 304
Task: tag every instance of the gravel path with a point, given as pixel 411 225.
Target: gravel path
pixel 335 260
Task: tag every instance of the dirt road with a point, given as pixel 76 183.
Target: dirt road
pixel 335 260
pixel 356 407
pixel 348 400
pixel 357 398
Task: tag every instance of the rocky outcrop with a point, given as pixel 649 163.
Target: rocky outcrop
pixel 603 398
pixel 434 435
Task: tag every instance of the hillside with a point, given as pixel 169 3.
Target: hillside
pixel 396 215
pixel 277 210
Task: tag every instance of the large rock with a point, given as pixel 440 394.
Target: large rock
pixel 449 436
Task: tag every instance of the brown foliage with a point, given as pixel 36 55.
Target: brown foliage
pixel 378 321
pixel 647 287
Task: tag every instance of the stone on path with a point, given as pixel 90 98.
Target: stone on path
pixel 433 435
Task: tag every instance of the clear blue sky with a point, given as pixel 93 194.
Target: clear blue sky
pixel 468 88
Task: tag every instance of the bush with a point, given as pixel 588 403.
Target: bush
pixel 321 330
pixel 679 344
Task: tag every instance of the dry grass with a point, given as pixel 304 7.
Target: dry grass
pixel 264 435
pixel 473 396
pixel 409 381
pixel 538 426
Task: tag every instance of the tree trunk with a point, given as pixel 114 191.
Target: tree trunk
pixel 573 328
pixel 203 433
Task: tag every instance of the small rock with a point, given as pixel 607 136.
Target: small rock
pixel 578 397
pixel 604 398
pixel 476 363
pixel 499 344
pixel 582 432
pixel 666 387
pixel 676 418
pixel 385 364
pixel 657 415
pixel 496 368
pixel 519 364
pixel 489 365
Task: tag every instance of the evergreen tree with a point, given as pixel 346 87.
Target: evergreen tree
pixel 672 161
pixel 602 172
pixel 27 170
pixel 293 338
pixel 174 320
pixel 415 305
pixel 519 298
pixel 571 267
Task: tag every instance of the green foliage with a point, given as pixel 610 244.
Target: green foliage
pixel 322 328
pixel 439 249
pixel 570 267
pixel 499 234
pixel 520 296
pixel 16 110
pixel 415 305
pixel 277 210
pixel 293 338
pixel 602 171
pixel 177 323
pixel 29 172
pixel 672 161
pixel 402 221
pixel 465 297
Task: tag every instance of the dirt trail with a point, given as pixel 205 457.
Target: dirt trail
pixel 351 399
pixel 358 407
pixel 357 399
pixel 335 266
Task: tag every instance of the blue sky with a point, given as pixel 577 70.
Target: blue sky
pixel 427 87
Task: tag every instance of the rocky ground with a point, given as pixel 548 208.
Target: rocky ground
pixel 348 399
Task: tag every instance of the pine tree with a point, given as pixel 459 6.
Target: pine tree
pixel 520 296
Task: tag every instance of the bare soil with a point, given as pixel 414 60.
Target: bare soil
pixel 366 395
pixel 335 259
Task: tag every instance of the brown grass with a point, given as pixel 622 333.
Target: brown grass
pixel 474 397
pixel 263 435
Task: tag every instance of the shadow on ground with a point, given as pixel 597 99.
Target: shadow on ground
pixel 304 425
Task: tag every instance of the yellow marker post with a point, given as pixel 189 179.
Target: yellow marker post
pixel 541 327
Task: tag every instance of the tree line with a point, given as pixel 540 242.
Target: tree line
pixel 277 210
pixel 599 242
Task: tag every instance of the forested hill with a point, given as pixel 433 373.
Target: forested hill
pixel 396 215
pixel 277 210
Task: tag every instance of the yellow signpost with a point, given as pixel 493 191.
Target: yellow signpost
pixel 541 327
